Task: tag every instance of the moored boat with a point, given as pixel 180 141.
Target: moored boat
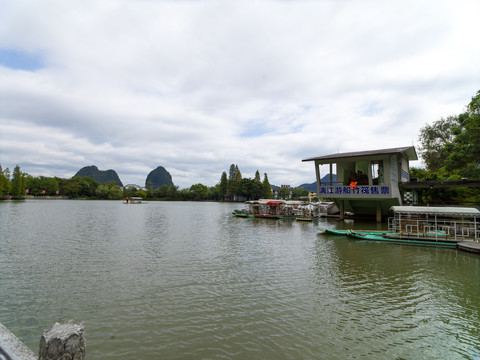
pixel 241 213
pixel 279 209
pixel 347 232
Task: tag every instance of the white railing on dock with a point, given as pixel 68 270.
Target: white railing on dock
pixel 449 229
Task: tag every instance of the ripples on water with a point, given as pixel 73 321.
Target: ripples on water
pixel 189 280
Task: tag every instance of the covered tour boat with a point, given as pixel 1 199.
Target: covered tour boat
pixel 280 209
pixel 134 200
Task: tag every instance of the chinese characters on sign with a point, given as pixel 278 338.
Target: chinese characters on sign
pixel 358 190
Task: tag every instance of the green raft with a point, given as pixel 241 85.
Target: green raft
pixel 379 237
pixel 347 232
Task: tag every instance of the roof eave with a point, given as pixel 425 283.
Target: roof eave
pixel 332 158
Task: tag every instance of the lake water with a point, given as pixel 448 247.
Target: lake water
pixel 186 280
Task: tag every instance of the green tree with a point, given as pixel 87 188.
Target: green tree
pixel 70 187
pixel 78 186
pixel 184 194
pixel 451 146
pixel 4 181
pixel 129 191
pixel 198 192
pixel 237 182
pixel 267 189
pixel 88 186
pixel 163 192
pixel 172 192
pixel 18 182
pixel 435 141
pixel 298 193
pixel 284 193
pixel 231 172
pixel 141 193
pixel 465 149
pixel 109 191
pixel 213 193
pixel 234 183
pixel 41 185
pixel 223 186
pixel 257 187
pixel 149 187
pixel 247 188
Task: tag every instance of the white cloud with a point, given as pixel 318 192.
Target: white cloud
pixel 197 85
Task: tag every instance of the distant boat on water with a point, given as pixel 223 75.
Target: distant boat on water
pixel 134 200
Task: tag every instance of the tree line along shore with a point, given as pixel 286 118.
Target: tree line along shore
pixel 233 187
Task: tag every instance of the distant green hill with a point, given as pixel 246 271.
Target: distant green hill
pixel 313 186
pixel 159 177
pixel 102 176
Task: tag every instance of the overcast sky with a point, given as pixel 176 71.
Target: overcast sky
pixel 195 86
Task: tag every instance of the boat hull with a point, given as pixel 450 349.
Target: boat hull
pixel 404 241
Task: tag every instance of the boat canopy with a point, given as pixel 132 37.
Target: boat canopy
pixel 276 202
pixel 265 202
pixel 432 210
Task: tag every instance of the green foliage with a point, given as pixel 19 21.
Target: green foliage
pixel 172 192
pixel 452 145
pixel 257 189
pixel 223 186
pixel 18 182
pixel 298 193
pixel 164 193
pixel 110 191
pixel 246 188
pixel 465 156
pixel 198 192
pixel 235 181
pixel 36 185
pixel 284 193
pixel 434 140
pixel 236 187
pixel 129 191
pixel 446 196
pixel 149 187
pixel 267 189
pixel 4 181
pixel 141 193
pixel 78 187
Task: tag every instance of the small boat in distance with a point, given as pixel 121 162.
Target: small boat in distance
pixel 134 200
pixel 241 213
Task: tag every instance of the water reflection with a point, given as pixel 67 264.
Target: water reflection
pixel 189 280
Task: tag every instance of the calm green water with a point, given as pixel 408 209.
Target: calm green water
pixel 183 280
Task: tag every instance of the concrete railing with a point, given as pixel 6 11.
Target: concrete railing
pixel 62 341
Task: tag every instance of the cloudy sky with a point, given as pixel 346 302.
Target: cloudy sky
pixel 196 85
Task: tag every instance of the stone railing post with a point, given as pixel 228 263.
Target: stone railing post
pixel 12 348
pixel 63 341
